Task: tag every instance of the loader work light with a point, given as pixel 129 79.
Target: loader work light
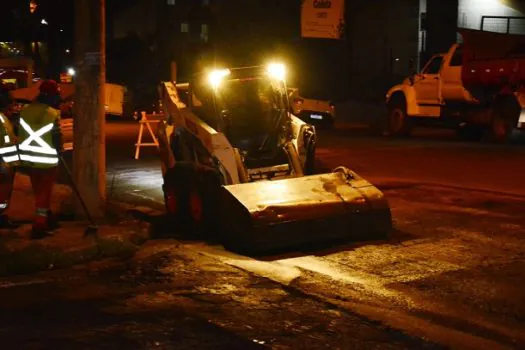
pixel 215 77
pixel 276 71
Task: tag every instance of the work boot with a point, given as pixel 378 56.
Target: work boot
pixel 52 220
pixel 5 223
pixel 41 227
pixel 40 232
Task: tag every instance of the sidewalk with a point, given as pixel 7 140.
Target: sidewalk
pixel 118 236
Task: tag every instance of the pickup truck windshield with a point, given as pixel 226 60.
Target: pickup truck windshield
pixel 434 66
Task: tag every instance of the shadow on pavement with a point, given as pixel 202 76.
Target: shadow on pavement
pixel 164 227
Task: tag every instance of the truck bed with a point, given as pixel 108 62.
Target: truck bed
pixel 492 59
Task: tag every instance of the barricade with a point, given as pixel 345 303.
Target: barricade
pixel 147 120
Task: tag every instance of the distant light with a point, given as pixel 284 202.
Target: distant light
pixel 61 30
pixel 32 6
pixel 71 71
pixel 68 51
pixel 44 21
pixel 397 59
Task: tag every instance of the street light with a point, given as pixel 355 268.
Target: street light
pixel 44 22
pixel 32 6
pixel 71 71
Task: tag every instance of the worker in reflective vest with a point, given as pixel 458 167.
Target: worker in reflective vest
pixel 39 144
pixel 8 160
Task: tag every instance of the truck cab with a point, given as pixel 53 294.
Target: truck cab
pixel 438 96
pixel 423 98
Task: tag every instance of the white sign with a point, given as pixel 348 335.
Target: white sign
pixel 322 19
pixel 92 58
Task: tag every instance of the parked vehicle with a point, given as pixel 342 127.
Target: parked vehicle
pixel 313 111
pixel 477 87
pixel 114 98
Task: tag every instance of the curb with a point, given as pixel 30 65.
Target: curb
pixel 19 255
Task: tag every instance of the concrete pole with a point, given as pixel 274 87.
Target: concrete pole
pixel 89 137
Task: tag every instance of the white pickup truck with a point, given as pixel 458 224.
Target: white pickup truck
pixel 477 87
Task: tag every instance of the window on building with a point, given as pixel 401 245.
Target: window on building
pixel 184 27
pixel 204 32
pixel 434 66
pixel 170 2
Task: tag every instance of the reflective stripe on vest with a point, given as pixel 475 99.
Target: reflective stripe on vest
pixel 8 151
pixel 43 153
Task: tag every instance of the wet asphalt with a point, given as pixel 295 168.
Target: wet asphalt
pixel 173 299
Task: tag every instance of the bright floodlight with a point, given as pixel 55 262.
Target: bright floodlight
pixel 215 77
pixel 71 71
pixel 276 71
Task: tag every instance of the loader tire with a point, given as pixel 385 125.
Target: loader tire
pixel 398 122
pixel 209 187
pixel 170 200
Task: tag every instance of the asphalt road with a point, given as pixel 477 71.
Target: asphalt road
pixel 450 276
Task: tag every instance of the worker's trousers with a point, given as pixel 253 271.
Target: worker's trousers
pixel 7 177
pixel 42 181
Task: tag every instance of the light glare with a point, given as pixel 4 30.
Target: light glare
pixel 215 77
pixel 276 71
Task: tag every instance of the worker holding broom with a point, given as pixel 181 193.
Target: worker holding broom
pixel 39 144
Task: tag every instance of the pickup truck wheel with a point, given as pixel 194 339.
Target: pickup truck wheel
pixel 399 123
pixel 504 120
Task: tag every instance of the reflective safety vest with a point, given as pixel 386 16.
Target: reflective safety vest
pixel 8 149
pixel 37 124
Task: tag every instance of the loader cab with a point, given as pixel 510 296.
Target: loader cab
pixel 245 104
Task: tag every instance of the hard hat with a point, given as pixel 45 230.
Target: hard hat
pixel 49 87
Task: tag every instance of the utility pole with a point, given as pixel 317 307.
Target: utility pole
pixel 89 137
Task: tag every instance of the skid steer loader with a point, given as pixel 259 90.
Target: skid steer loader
pixel 238 163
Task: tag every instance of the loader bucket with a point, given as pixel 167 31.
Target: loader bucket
pixel 274 215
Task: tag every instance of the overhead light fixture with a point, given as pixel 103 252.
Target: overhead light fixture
pixel 32 6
